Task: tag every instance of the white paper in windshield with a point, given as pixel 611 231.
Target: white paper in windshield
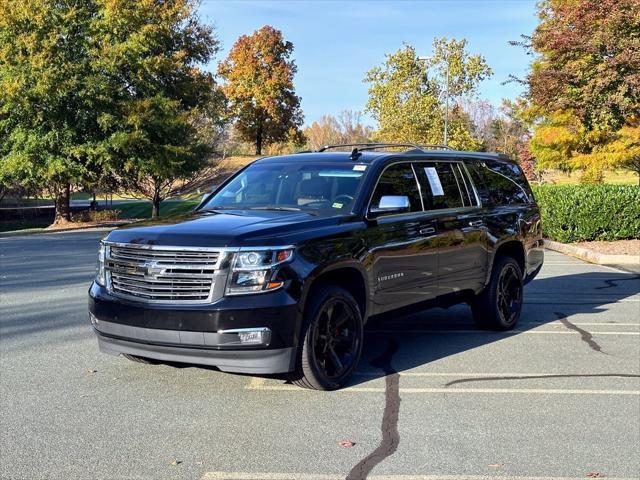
pixel 434 181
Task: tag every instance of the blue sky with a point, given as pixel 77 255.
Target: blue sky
pixel 336 42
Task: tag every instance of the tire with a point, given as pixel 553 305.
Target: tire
pixel 326 356
pixel 499 305
pixel 134 358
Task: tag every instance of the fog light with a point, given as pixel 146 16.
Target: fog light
pixel 251 337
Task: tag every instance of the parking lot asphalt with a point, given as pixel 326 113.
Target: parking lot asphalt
pixel 434 398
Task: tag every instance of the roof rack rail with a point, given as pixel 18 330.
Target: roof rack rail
pixel 435 146
pixel 373 146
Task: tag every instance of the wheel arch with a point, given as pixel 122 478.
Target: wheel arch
pixel 513 249
pixel 348 275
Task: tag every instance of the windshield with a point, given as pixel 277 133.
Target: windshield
pixel 325 189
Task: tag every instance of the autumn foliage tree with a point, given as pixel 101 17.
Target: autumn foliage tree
pixel 258 83
pixel 584 84
pixel 347 127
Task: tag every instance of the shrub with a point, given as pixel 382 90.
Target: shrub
pixel 581 213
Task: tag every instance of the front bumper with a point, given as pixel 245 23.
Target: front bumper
pixel 206 334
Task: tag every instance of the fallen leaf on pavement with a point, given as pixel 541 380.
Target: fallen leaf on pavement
pixel 176 462
pixel 91 370
pixel 595 475
pixel 496 465
pixel 346 443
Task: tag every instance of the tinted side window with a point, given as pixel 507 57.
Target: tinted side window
pixel 398 179
pixel 441 185
pixel 477 178
pixel 506 183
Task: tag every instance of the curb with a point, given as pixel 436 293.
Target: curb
pixel 591 256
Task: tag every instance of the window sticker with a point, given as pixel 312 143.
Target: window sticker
pixel 434 181
pixel 359 168
pixel 337 205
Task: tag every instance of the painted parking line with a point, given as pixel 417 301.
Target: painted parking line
pixel 482 332
pixel 261 385
pixel 320 476
pixel 486 375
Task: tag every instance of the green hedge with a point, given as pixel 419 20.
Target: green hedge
pixel 581 213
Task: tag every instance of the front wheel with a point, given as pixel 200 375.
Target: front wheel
pixel 499 305
pixel 331 340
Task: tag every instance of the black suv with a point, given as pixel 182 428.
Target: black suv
pixel 279 268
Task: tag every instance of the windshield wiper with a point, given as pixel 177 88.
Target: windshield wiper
pixel 283 209
pixel 220 207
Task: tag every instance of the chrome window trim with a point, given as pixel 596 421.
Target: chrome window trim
pixel 473 186
pixel 453 170
pixel 415 176
pixel 466 188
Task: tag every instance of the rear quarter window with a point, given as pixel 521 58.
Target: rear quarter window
pixel 505 182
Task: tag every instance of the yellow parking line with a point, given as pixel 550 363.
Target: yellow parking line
pixel 319 476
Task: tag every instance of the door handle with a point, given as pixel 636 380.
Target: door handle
pixel 475 223
pixel 427 231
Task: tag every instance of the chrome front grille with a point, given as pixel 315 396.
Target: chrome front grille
pixel 161 274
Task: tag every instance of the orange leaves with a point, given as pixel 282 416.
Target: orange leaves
pixel 258 75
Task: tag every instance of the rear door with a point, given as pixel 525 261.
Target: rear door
pixel 451 198
pixel 402 247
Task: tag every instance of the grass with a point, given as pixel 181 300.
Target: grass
pixel 31 223
pixel 616 177
pixel 143 209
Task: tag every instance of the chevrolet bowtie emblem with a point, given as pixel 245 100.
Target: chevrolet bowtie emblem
pixel 151 269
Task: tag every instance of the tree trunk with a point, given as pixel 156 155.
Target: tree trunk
pixel 259 141
pixel 63 205
pixel 155 210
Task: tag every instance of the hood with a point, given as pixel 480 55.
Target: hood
pixel 221 229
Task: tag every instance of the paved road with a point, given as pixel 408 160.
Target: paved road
pixel 435 399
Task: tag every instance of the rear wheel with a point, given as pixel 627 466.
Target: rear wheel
pixel 499 305
pixel 331 341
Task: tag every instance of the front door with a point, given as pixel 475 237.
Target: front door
pixel 402 246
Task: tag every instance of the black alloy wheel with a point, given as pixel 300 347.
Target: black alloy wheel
pixel 331 340
pixel 499 305
pixel 335 341
pixel 509 294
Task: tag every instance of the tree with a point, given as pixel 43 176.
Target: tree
pixel 584 84
pixel 258 74
pixel 346 128
pixel 101 89
pixel 164 105
pixel 48 97
pixel 408 102
pixel 466 71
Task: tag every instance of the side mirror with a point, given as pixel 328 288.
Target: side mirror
pixel 392 204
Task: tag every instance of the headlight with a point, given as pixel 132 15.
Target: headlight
pixel 100 275
pixel 252 271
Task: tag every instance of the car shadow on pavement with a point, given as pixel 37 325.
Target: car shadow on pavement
pixel 427 336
